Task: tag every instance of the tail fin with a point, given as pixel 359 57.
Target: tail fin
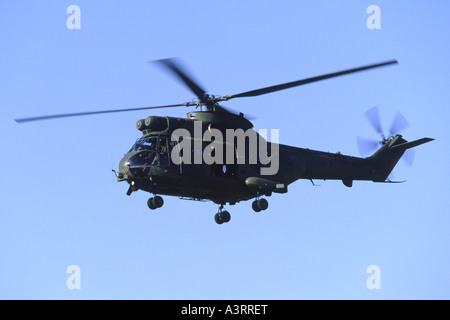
pixel 389 154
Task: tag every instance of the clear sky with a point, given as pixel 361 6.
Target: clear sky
pixel 61 205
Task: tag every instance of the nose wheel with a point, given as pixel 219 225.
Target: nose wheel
pixel 222 216
pixel 155 202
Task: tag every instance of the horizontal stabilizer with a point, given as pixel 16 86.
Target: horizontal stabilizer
pixel 412 144
pixel 390 181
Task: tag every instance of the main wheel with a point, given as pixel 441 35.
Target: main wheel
pixel 255 206
pixel 263 204
pixel 158 202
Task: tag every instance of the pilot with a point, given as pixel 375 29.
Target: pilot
pixel 163 156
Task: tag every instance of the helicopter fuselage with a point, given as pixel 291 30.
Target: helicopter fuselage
pixel 150 165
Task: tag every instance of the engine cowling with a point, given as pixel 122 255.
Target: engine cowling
pixel 152 123
pixel 140 124
pixel 155 123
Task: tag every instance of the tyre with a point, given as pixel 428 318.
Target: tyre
pixel 150 204
pixel 255 206
pixel 158 202
pixel 225 216
pixel 263 204
pixel 218 218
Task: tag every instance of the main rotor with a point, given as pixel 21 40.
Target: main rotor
pixel 209 101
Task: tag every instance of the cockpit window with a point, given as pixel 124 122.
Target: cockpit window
pixel 154 151
pixel 144 143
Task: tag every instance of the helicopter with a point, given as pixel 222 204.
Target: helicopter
pixel 246 166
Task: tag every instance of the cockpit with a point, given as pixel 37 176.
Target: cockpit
pixel 151 151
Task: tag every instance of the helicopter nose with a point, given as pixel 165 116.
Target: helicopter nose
pixel 124 169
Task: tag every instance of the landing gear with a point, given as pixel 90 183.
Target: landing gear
pixel 260 205
pixel 155 202
pixel 222 216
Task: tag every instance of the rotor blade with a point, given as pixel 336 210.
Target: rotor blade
pixel 408 156
pixel 398 125
pixel 373 115
pixel 66 115
pixel 292 84
pixel 366 146
pixel 174 66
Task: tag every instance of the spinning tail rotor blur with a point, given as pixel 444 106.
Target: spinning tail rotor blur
pixel 399 124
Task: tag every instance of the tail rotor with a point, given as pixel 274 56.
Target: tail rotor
pixel 399 124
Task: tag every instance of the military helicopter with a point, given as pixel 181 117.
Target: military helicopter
pixel 150 163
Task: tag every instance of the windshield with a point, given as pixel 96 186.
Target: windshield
pixel 144 143
pixel 151 151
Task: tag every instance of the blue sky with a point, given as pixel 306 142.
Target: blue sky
pixel 62 206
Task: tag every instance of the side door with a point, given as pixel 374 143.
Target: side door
pixel 192 169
